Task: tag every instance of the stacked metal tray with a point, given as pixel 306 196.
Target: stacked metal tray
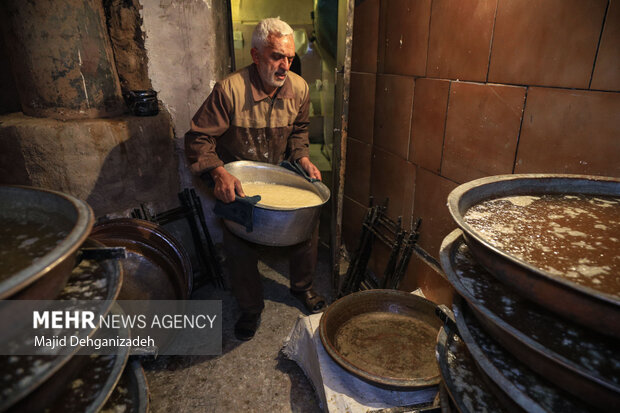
pixel 26 378
pixel 539 341
pixel 47 254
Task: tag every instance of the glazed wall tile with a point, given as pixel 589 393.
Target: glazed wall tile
pixel 430 205
pixel 570 131
pixel 393 106
pixel 352 218
pixel 357 176
pixel 406 36
pixel 365 36
pixel 606 74
pixel 460 39
pixel 430 104
pixel 433 286
pixel 546 43
pixel 362 106
pixel 482 128
pixel 394 178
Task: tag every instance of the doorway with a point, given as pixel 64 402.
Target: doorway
pixel 322 31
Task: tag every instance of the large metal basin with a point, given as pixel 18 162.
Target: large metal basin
pixel 277 226
pixel 589 307
pixel 40 233
pixel 513 383
pixel 576 359
pixel 385 337
pixel 468 389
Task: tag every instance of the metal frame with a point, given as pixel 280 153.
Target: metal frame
pixel 377 226
pixel 209 267
pixel 341 120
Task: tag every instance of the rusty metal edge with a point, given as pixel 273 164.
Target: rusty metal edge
pixel 548 364
pixel 115 375
pixel 444 338
pixel 142 384
pixel 502 387
pixel 104 232
pixel 115 281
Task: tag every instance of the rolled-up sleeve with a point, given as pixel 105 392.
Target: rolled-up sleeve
pixel 210 122
pixel 298 142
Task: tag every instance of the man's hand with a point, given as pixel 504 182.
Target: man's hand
pixel 226 185
pixel 310 168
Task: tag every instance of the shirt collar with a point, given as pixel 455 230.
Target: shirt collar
pixel 286 90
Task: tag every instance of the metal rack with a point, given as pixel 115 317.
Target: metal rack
pixel 378 227
pixel 208 264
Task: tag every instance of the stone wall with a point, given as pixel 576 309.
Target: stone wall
pixel 187 48
pixel 179 48
pixel 113 164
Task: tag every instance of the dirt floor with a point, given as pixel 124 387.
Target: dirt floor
pixel 248 376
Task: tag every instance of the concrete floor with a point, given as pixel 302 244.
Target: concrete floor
pixel 248 376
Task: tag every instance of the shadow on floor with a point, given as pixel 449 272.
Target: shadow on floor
pixel 274 268
pixel 301 400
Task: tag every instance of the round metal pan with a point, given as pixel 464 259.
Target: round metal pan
pixel 466 388
pixel 157 266
pixel 131 394
pixel 514 379
pixel 20 375
pixel 579 360
pixel 277 226
pixel 385 337
pixel 40 262
pixel 589 307
pixel 82 385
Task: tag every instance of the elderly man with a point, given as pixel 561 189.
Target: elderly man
pixel 259 113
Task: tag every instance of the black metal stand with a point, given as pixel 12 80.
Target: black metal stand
pixel 209 268
pixel 377 226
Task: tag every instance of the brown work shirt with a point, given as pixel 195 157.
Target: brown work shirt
pixel 239 121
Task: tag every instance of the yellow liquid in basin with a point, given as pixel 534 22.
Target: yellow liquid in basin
pixel 281 196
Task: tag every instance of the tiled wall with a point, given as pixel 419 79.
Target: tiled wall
pixel 446 91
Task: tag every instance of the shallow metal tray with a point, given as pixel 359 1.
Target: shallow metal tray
pixel 83 384
pixel 513 380
pixel 131 394
pixel 20 375
pixel 588 307
pixel 466 388
pixel 385 337
pixel 577 359
pixel 157 266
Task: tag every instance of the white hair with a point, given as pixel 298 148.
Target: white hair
pixel 264 28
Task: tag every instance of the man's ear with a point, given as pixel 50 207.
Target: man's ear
pixel 254 53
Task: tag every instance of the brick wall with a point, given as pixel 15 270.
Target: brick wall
pixel 446 91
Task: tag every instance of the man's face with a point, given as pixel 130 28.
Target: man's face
pixel 274 59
